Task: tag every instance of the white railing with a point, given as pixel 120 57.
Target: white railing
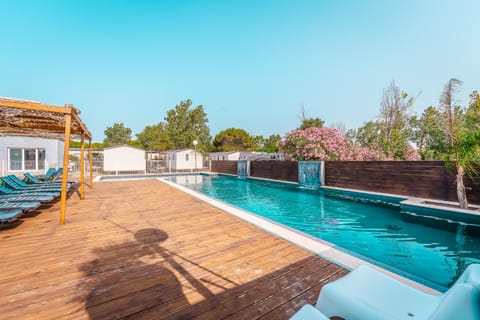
pixel 150 167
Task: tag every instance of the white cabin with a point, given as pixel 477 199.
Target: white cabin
pixel 123 158
pixel 184 159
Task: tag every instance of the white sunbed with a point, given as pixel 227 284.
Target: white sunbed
pixel 366 293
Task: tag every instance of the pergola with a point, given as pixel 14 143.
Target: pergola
pixel 35 119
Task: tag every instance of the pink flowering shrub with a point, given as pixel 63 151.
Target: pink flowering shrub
pixel 323 144
pixel 411 153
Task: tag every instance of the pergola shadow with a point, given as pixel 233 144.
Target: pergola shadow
pixel 142 280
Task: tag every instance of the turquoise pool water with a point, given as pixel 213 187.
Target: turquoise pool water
pixel 428 255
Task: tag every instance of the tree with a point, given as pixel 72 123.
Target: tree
pixel 308 122
pixel 472 116
pixel 77 144
pixel 456 135
pixel 183 125
pixel 154 137
pixel 394 108
pixel 389 135
pixel 233 139
pixel 258 142
pixel 271 143
pixel 116 135
pixel 428 134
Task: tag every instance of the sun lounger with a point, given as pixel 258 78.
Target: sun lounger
pixel 48 175
pixel 10 215
pixel 20 198
pixel 23 184
pixel 57 173
pixel 309 312
pixel 25 206
pixel 11 183
pixel 32 180
pixel 9 191
pixel 366 293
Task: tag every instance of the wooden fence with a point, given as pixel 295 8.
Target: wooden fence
pixel 274 169
pixel 423 179
pixel 224 166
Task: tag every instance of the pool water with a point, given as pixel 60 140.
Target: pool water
pixel 431 256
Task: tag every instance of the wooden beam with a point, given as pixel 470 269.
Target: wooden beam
pixel 82 168
pixel 33 106
pixel 91 161
pixel 66 149
pixel 81 124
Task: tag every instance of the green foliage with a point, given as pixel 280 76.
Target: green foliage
pixel 393 121
pixel 388 136
pixel 117 134
pixel 367 135
pixel 154 137
pixel 183 125
pixel 311 123
pixel 472 115
pixel 427 133
pixel 233 139
pixel 269 144
pixel 462 137
pixel 77 144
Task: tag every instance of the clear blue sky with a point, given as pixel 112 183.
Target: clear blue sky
pixel 251 64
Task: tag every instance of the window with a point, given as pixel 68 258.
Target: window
pixel 186 156
pixel 26 159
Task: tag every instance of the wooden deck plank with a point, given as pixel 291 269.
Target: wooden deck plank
pixel 142 250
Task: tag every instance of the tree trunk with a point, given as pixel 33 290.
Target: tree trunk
pixel 461 193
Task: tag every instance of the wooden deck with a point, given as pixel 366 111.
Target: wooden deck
pixel 143 250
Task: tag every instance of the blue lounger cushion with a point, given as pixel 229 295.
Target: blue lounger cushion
pixel 309 312
pixel 18 184
pixel 19 198
pixel 32 180
pixel 10 215
pixel 8 191
pixel 25 206
pixel 366 293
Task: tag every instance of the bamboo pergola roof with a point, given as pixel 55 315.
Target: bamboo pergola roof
pixel 30 118
pixel 35 119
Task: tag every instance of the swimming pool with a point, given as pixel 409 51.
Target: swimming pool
pixel 431 256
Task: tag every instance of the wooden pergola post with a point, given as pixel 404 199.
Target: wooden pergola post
pixel 66 150
pixel 82 167
pixel 16 119
pixel 91 161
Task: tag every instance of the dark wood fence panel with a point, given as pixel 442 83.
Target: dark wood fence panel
pixel 275 169
pixel 424 179
pixel 224 166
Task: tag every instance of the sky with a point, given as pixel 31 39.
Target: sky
pixel 251 64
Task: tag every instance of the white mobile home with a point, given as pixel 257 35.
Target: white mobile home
pixel 184 159
pixel 231 155
pixel 123 158
pixel 29 154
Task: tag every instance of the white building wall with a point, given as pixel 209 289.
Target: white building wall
pixel 123 158
pixel 53 150
pixel 234 155
pixel 179 160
